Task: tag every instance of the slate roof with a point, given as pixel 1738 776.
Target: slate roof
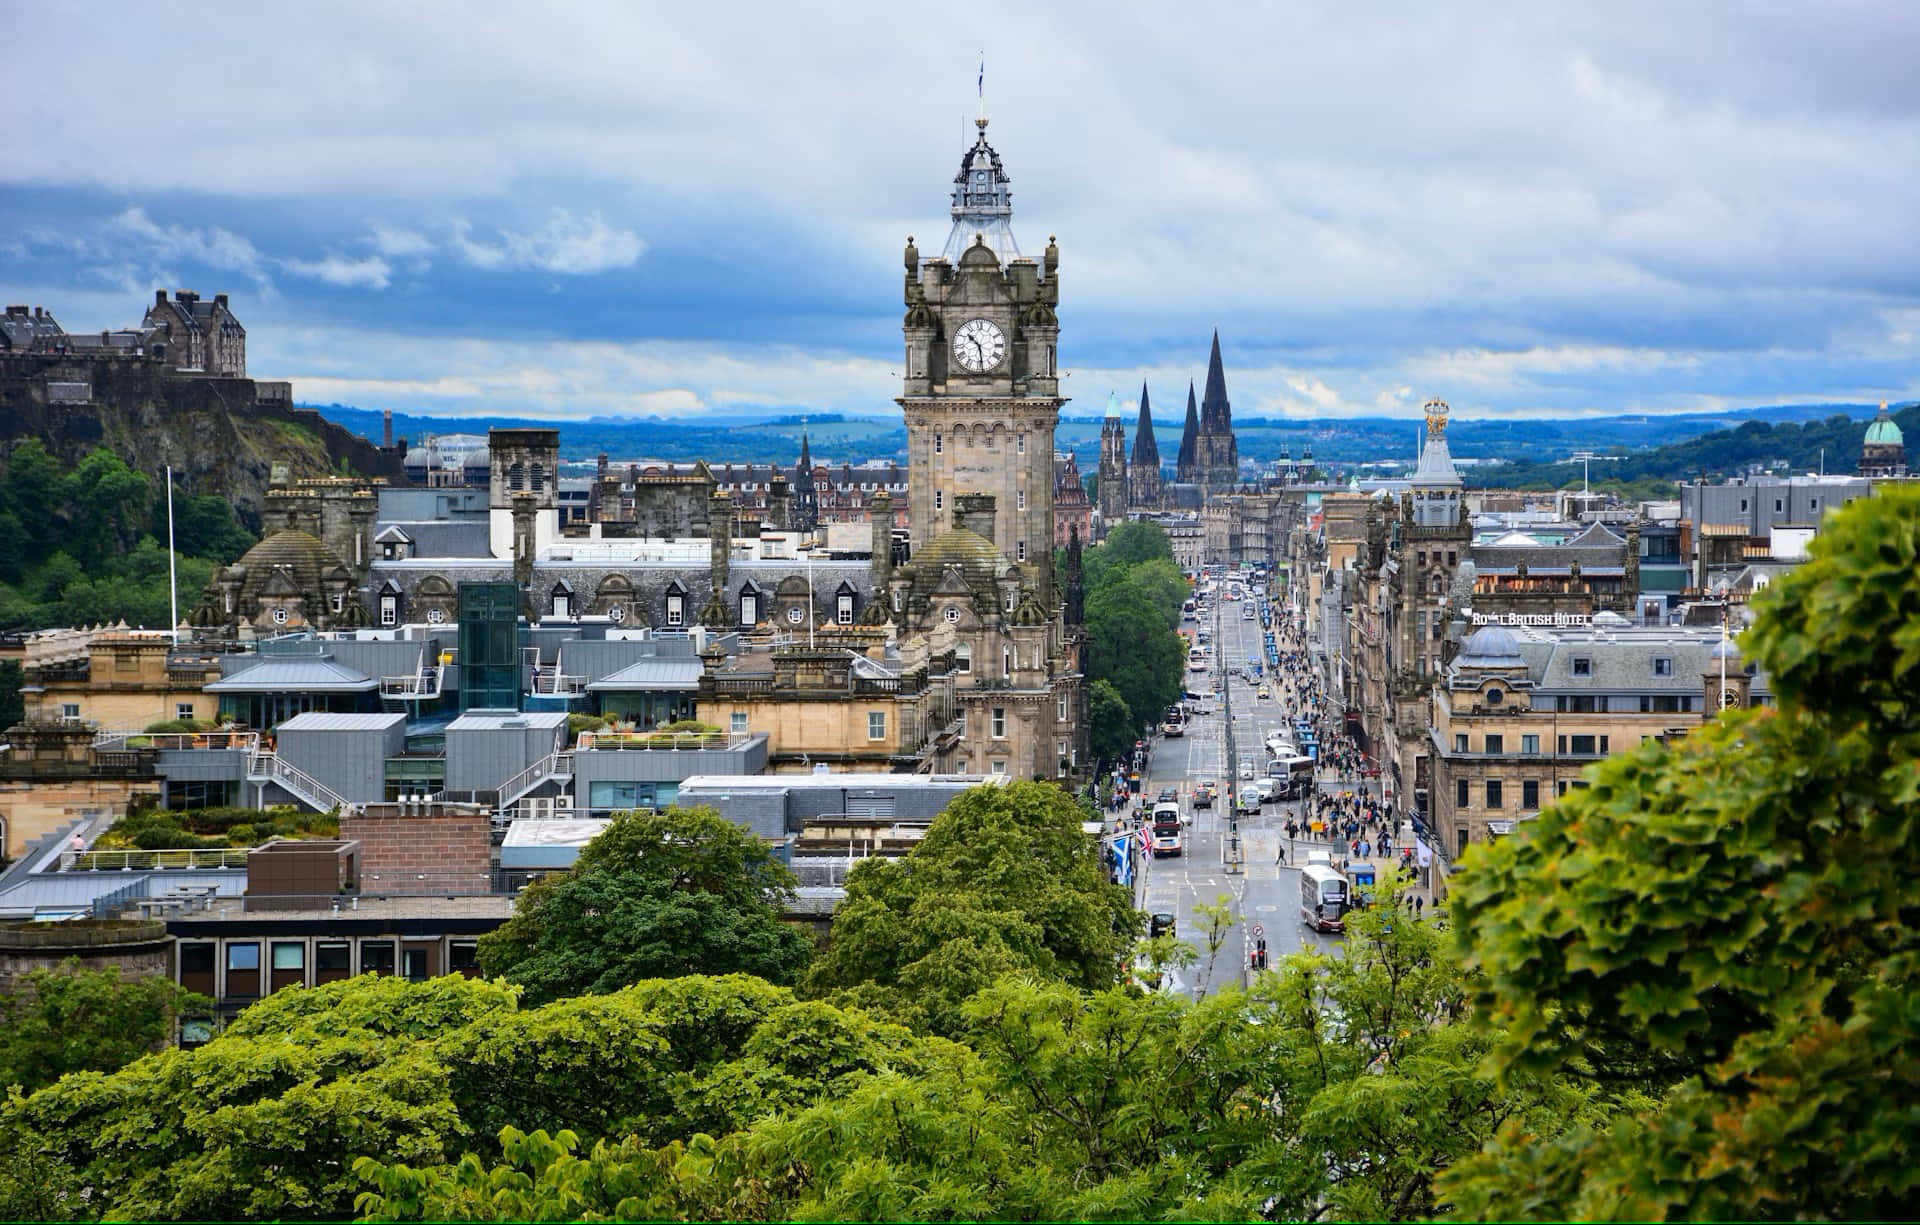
pixel 444 538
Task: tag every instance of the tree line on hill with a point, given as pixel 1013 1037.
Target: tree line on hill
pixel 87 545
pixel 1832 445
pixel 1686 990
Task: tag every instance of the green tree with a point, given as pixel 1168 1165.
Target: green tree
pixel 107 504
pixel 655 895
pixel 1004 880
pixel 72 1019
pixel 1111 729
pixel 1730 918
pixel 32 494
pixel 1135 541
pixel 1131 647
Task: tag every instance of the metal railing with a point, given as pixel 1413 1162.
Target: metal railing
pixel 171 742
pixel 557 685
pixel 553 765
pixel 423 685
pixel 151 861
pixel 601 742
pixel 294 779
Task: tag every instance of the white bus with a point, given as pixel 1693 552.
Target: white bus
pixel 1323 898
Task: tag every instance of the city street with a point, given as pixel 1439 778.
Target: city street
pixel 1266 893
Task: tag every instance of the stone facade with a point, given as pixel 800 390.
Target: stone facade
pixel 1072 511
pixel 200 336
pixel 137 948
pixel 1518 716
pixel 51 775
pixel 114 678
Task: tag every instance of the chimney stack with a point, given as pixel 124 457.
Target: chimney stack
pixel 220 300
pixel 974 511
pixel 159 297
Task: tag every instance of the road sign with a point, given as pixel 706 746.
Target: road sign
pixel 1258 931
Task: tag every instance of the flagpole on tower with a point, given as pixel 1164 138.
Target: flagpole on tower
pixel 981 85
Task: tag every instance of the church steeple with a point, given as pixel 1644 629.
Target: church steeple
pixel 982 203
pixel 1146 452
pixel 1215 412
pixel 804 508
pixel 1188 465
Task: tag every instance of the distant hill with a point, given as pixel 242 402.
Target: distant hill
pixel 1659 447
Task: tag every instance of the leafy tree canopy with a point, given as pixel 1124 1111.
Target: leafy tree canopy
pixel 113 516
pixel 1004 880
pixel 72 1019
pixel 683 891
pixel 1729 919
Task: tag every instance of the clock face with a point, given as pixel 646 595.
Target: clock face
pixel 435 616
pixel 617 614
pixel 795 615
pixel 1728 699
pixel 979 345
pixel 279 616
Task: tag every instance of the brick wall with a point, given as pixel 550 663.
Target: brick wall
pixel 422 853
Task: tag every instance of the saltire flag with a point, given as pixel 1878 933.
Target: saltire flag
pixel 981 87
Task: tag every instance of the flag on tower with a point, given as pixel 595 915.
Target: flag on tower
pixel 981 87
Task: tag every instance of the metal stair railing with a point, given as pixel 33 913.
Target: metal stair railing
pixel 292 778
pixel 553 765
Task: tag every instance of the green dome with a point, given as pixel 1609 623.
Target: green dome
pixel 1884 432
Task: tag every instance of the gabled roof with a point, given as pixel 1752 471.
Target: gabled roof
pixel 1595 537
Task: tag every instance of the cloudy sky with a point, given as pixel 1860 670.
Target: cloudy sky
pixel 565 210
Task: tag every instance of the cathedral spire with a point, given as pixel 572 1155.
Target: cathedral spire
pixel 1189 462
pixel 1214 409
pixel 1146 452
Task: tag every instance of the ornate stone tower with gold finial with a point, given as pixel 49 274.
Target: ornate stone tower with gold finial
pixel 982 386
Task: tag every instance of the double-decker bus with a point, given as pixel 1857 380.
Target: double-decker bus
pixel 1323 898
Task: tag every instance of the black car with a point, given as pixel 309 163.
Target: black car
pixel 1161 924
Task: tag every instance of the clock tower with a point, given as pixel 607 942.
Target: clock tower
pixel 982 387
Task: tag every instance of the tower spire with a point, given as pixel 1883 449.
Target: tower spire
pixel 1214 409
pixel 1189 462
pixel 1146 452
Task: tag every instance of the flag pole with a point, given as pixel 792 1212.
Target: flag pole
pixel 173 581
